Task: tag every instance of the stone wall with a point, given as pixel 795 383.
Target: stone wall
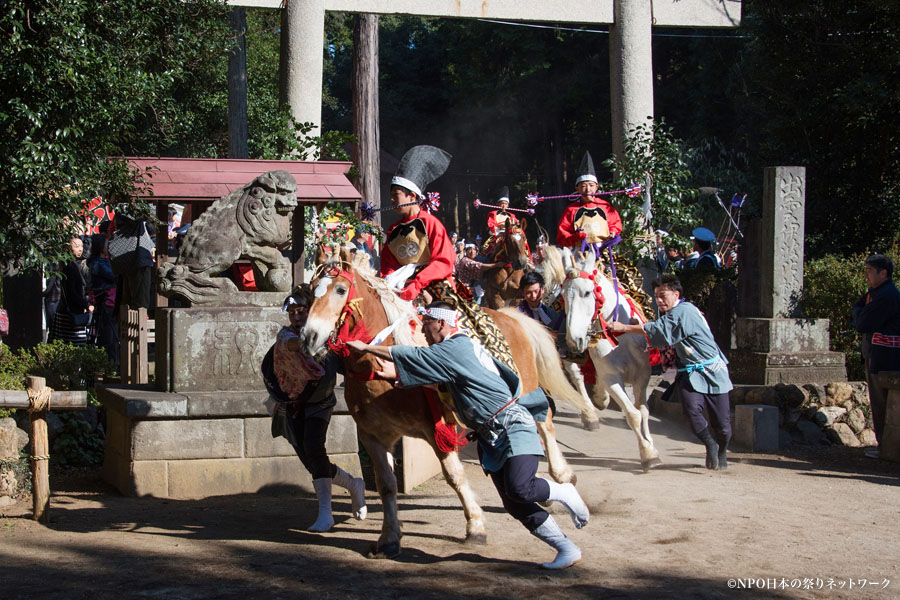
pixel 834 413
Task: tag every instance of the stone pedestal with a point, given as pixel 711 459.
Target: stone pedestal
pixel 756 427
pixel 773 343
pixel 782 350
pixel 889 445
pixel 205 431
pixel 199 444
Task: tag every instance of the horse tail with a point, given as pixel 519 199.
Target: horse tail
pixel 551 375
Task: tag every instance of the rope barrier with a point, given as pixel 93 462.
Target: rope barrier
pixel 39 400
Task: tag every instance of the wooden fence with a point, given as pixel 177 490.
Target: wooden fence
pixel 38 399
pixel 135 332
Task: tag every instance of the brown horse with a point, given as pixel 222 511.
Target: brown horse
pixel 354 304
pixel 501 283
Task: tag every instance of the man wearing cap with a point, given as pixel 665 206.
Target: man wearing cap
pixel 419 238
pixel 703 246
pixel 488 399
pixel 877 316
pixel 589 219
pixel 702 381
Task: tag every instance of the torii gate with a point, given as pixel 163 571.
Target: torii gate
pixel 630 23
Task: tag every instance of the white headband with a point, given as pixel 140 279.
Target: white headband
pixel 403 181
pixel 439 314
pixel 504 199
pixel 586 177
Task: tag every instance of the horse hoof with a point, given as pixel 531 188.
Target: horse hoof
pixel 477 539
pixel 651 464
pixel 590 424
pixel 391 550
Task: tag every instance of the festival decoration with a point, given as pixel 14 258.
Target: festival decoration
pixel 432 202
pixel 632 191
pixel 478 204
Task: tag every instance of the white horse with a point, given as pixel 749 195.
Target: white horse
pixel 590 299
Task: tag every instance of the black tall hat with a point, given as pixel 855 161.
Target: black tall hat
pixel 504 194
pixel 420 166
pixel 586 172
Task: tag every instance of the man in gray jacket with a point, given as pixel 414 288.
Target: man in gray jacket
pixel 703 380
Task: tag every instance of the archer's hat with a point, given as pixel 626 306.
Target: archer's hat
pixel 586 171
pixel 504 194
pixel 703 234
pixel 420 166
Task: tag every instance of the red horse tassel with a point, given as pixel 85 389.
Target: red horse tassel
pixel 446 436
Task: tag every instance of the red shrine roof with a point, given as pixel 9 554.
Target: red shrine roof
pixel 187 179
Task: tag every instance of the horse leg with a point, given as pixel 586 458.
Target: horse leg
pixel 633 416
pixel 640 400
pixel 589 418
pixel 455 475
pixel 559 468
pixel 388 544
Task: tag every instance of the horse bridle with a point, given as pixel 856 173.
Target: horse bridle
pixel 344 330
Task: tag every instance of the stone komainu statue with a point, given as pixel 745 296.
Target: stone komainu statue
pixel 253 222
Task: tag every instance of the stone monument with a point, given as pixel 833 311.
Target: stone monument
pixel 203 429
pixel 774 343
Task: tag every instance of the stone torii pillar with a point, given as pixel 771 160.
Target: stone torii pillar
pixel 301 64
pixel 630 69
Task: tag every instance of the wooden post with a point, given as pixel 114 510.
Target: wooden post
pixel 38 404
pixel 143 370
pixel 40 452
pixel 298 247
pixel 364 84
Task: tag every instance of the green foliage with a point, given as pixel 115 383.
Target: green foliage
pixel 80 80
pixel 65 367
pixel 68 367
pixel 13 369
pixel 831 285
pixel 652 151
pixel 816 85
pixel 76 444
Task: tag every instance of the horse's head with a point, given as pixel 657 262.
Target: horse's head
pixel 515 245
pixel 588 295
pixel 332 289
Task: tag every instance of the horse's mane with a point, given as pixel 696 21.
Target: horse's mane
pixel 394 307
pixel 552 269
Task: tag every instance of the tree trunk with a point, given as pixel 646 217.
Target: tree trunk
pixel 365 109
pixel 237 86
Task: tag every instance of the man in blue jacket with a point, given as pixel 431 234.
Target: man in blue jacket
pixel 702 380
pixel 877 316
pixel 489 399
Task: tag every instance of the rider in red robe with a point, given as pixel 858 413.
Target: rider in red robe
pixel 589 218
pixel 419 237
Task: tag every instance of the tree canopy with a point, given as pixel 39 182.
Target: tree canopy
pixel 810 83
pixel 81 82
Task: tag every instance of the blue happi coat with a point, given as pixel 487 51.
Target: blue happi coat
pixel 696 353
pixel 480 386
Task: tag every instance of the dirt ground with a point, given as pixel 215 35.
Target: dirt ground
pixel 680 531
